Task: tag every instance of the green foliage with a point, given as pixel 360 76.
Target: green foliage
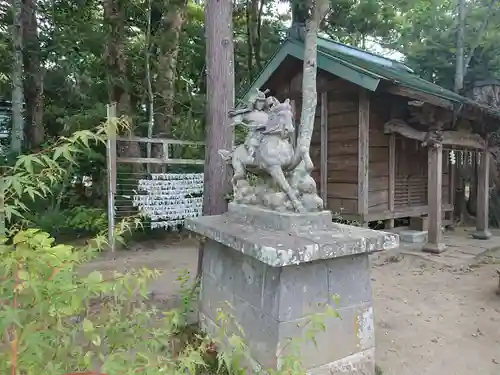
pixel 60 322
pixel 79 220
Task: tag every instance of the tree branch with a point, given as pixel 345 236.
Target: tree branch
pixel 480 34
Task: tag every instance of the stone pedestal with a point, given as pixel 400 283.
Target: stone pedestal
pixel 277 269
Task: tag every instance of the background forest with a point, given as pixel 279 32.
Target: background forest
pixel 66 59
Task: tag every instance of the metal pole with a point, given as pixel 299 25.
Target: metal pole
pixel 111 164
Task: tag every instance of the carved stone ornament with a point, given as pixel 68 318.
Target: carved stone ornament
pixel 283 183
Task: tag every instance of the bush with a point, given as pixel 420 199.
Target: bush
pixel 59 322
pixel 76 221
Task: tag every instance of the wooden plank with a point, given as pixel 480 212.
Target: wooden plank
pixel 160 161
pixel 363 151
pixel 377 183
pixel 377 207
pixel 403 212
pixel 324 147
pixel 392 174
pixel 378 197
pixel 378 139
pixel 342 120
pixel 378 169
pixel 349 176
pixel 379 154
pixel 344 134
pixel 347 147
pixel 111 164
pixel 340 206
pixel 342 162
pixel 341 103
pixel 342 190
pixel 159 140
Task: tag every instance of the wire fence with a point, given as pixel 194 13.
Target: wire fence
pixel 156 179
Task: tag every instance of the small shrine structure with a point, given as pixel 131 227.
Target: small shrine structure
pixel 384 138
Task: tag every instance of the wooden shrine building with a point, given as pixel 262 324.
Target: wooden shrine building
pixel 383 136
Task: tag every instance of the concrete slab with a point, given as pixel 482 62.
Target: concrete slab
pixel 413 236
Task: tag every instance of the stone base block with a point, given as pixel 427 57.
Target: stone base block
pixel 360 363
pixel 274 304
pixel 413 236
pixel 434 248
pixel 482 235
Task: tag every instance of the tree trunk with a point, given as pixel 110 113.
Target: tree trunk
pixel 116 63
pixel 220 99
pixel 460 55
pixel 33 83
pixel 172 22
pixel 17 79
pixel 256 10
pixel 248 14
pixel 317 10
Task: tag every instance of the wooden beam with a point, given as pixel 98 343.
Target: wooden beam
pixel 160 161
pixel 434 200
pixel 363 151
pixel 420 96
pixel 449 137
pixel 160 140
pixel 404 212
pixel 392 176
pixel 324 147
pixel 483 197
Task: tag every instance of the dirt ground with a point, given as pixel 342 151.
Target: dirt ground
pixel 430 319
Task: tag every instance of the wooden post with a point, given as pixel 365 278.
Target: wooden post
pixel 434 200
pixel 482 232
pixel 324 148
pixel 111 164
pixel 392 178
pixel 363 153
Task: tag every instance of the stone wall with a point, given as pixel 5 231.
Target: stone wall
pixel 275 303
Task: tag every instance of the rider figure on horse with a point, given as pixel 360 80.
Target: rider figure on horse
pixel 255 117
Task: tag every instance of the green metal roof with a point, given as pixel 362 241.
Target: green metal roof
pixel 360 67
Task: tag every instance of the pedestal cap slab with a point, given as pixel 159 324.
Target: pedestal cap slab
pixel 282 239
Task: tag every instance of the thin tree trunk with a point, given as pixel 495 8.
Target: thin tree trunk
pixel 116 63
pixel 458 86
pixel 17 79
pixel 248 14
pixel 33 83
pixel 220 99
pixel 172 23
pixel 317 10
pixel 149 82
pixel 460 55
pixel 256 10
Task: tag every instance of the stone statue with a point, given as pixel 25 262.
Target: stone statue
pixel 268 153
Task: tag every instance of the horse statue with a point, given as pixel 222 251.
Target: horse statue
pixel 271 152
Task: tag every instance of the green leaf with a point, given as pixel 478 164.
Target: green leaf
pixel 87 326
